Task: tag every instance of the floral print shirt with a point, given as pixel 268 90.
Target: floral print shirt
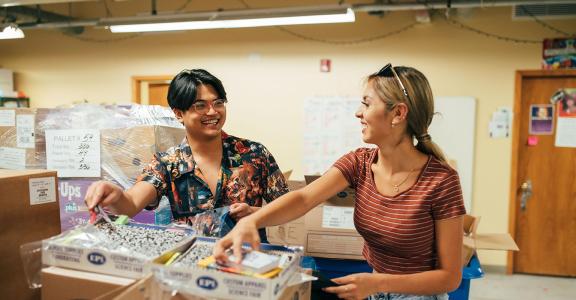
pixel 248 174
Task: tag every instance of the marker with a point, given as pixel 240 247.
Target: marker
pixel 172 258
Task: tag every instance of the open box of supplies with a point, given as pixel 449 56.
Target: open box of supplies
pixel 212 283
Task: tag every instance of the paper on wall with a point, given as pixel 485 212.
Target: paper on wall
pixel 499 126
pixel 25 131
pixel 332 130
pixel 7 117
pixel 12 158
pixel 73 152
pixel 566 123
pixel 565 132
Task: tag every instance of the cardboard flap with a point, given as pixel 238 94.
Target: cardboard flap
pixel 470 225
pixel 295 185
pixel 502 241
pixel 287 174
pixel 469 242
pixel 299 278
pixel 345 198
pixel 309 178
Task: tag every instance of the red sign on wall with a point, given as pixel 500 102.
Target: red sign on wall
pixel 325 65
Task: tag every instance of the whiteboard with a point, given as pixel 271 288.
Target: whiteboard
pixel 331 130
pixel 453 129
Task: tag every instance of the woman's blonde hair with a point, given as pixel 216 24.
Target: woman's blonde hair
pixel 419 101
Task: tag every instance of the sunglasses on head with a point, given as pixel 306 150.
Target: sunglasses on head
pixel 388 71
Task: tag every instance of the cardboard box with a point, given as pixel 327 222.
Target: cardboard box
pixel 126 151
pixel 330 231
pixel 29 213
pixel 292 233
pixel 330 227
pixel 287 174
pixel 325 231
pixel 60 252
pixel 65 284
pixel 147 288
pixel 490 241
pixel 17 138
pixel 212 283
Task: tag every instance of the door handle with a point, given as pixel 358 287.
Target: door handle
pixel 526 189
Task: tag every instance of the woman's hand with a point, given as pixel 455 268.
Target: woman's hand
pixel 244 231
pixel 356 286
pixel 241 210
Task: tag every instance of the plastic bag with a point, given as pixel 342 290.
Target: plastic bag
pixel 31 255
pixel 212 223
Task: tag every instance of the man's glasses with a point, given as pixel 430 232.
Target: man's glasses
pixel 203 107
pixel 388 71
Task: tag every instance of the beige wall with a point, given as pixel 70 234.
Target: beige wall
pixel 268 73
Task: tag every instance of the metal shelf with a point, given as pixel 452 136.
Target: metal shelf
pixel 20 102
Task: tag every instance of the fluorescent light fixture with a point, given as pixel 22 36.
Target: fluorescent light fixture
pixel 346 15
pixel 7 3
pixel 11 32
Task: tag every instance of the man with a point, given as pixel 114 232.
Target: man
pixel 208 170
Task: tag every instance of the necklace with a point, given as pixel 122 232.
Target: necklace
pixel 397 186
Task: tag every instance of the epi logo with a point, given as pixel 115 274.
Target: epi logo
pixel 207 283
pixel 96 258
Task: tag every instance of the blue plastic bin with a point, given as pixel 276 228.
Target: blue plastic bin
pixel 334 268
pixel 472 271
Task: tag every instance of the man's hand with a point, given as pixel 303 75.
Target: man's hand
pixel 103 193
pixel 241 210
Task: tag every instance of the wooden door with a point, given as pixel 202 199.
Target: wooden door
pixel 157 94
pixel 152 90
pixel 545 229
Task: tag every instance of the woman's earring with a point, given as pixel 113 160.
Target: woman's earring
pixel 393 124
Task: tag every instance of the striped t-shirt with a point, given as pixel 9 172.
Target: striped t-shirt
pixel 399 231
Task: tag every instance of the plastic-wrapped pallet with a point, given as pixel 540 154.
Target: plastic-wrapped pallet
pixel 17 144
pixel 129 137
pixel 91 116
pixel 129 134
pixel 126 151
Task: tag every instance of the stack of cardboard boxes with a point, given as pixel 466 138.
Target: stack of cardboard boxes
pixel 17 138
pixel 127 143
pixel 29 214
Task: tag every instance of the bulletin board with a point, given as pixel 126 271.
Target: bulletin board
pixel 331 130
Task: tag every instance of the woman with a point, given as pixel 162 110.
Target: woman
pixel 409 202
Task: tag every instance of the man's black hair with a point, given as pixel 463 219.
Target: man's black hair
pixel 184 87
